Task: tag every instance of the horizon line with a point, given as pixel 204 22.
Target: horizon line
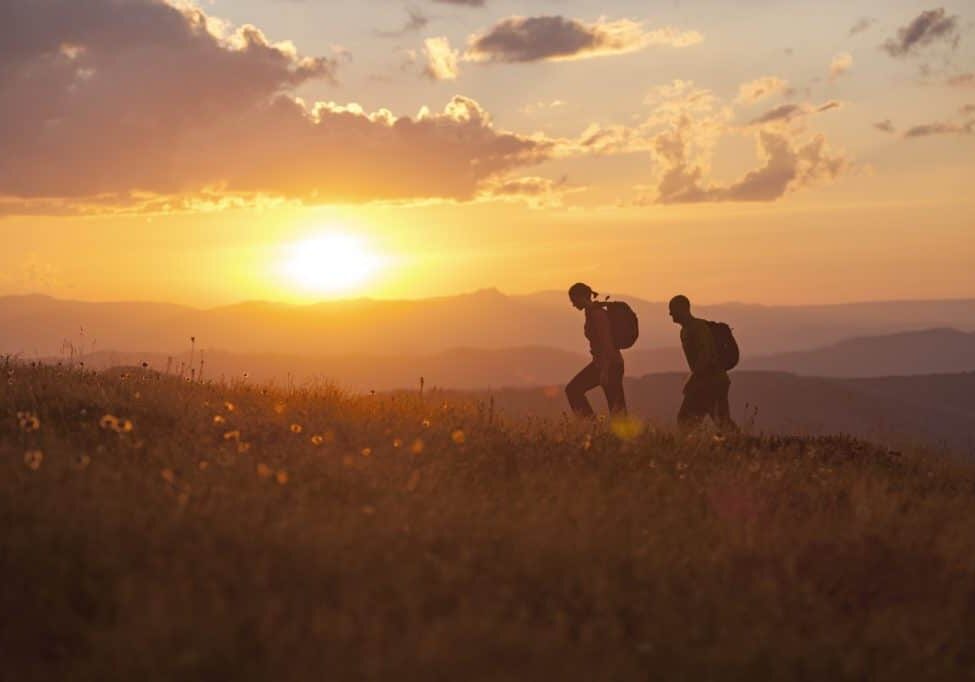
pixel 473 292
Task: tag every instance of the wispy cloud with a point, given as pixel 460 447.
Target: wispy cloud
pixel 760 88
pixel 862 24
pixel 415 21
pixel 788 112
pixel 552 38
pixel 940 128
pixel 928 28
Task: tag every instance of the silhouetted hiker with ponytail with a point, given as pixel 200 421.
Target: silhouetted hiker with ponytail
pixel 711 351
pixel 606 368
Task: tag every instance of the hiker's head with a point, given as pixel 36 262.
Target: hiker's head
pixel 581 295
pixel 680 309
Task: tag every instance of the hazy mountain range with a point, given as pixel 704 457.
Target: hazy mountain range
pixel 937 351
pixel 34 326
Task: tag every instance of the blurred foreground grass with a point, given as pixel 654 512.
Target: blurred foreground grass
pixel 154 529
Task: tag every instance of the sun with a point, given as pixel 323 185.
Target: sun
pixel 330 263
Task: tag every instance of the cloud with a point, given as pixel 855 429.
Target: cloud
pixel 553 38
pixel 885 126
pixel 760 88
pixel 441 59
pixel 929 27
pixel 787 167
pixel 537 192
pixel 787 112
pixel 139 104
pixel 940 128
pixel 416 21
pixel 861 25
pixel 694 121
pixel 967 109
pixel 541 105
pixel 841 64
pixel 963 80
pixel 465 3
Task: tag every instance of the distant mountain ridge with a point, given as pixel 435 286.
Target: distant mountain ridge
pixel 937 351
pixel 34 326
pixel 929 351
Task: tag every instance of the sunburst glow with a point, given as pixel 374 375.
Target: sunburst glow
pixel 330 263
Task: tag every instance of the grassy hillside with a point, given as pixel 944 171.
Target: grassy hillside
pixel 159 530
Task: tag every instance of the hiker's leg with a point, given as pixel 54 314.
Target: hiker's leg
pixel 576 389
pixel 615 398
pixel 692 410
pixel 722 409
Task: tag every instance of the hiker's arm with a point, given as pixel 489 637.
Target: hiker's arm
pixel 605 350
pixel 696 349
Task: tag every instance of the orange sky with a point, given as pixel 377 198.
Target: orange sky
pixel 770 155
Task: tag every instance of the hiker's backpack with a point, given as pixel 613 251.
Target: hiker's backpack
pixel 623 323
pixel 725 345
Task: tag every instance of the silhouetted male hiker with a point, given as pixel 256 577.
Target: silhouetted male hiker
pixel 706 390
pixel 606 368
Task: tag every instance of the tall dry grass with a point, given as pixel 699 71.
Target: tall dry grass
pixel 155 529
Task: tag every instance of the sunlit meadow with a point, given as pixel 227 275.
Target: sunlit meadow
pixel 157 528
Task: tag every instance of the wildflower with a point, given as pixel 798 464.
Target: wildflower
pixel 243 447
pixel 230 406
pixel 417 446
pixel 232 435
pixel 123 426
pixel 366 452
pixel 426 423
pixel 169 476
pixel 218 419
pixel 317 440
pixel 109 421
pixel 264 471
pixel 83 461
pixel 281 477
pixel 296 428
pixel 28 421
pixel 458 437
pixel 397 442
pixel 587 443
pixel 33 459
